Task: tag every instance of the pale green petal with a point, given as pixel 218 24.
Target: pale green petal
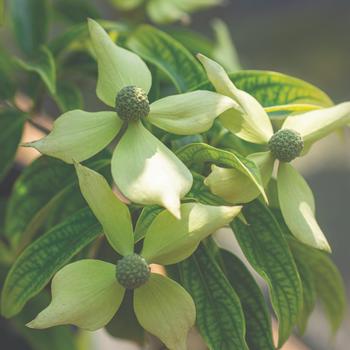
pixel 251 122
pixel 85 294
pixel 236 187
pixel 147 172
pixel 117 67
pixel 165 310
pixel 78 135
pixel 190 113
pixel 169 240
pixel 113 215
pixel 298 207
pixel 317 124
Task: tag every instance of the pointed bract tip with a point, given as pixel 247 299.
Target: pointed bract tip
pixel 173 205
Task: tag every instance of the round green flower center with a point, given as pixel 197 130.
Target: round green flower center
pixel 132 104
pixel 285 145
pixel 132 271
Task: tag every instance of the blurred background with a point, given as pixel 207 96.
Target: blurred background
pixel 308 39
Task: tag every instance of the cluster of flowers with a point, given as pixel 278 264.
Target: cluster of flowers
pixel 89 292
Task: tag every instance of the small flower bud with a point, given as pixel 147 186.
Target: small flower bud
pixel 286 145
pixel 132 104
pixel 132 271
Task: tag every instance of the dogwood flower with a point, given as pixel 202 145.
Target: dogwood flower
pixel 88 293
pixel 295 137
pixel 143 168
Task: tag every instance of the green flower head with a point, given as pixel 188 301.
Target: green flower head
pixel 294 138
pixel 88 293
pixel 143 168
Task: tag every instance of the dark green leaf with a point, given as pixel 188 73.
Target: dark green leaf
pixel 266 249
pixel 38 191
pixel 148 214
pixel 309 293
pixel 76 10
pixel 256 313
pixel 7 86
pixel 200 192
pixel 327 281
pixel 11 126
pixel 42 259
pixel 220 318
pixel 43 64
pixel 30 22
pixel 68 97
pixel 168 55
pixel 272 89
pixel 201 153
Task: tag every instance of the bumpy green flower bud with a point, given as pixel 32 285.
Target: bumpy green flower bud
pixel 132 104
pixel 133 271
pixel 286 145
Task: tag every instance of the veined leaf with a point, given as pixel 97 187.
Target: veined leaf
pixel 256 313
pixel 11 126
pixel 7 86
pixel 327 281
pixel 44 257
pixel 200 153
pixel 43 64
pixel 266 249
pixel 39 189
pixel 30 22
pixel 168 55
pixel 220 317
pixel 200 192
pixel 144 221
pixel 273 89
pixel 309 293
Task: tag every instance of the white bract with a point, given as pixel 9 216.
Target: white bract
pixel 144 169
pixel 251 123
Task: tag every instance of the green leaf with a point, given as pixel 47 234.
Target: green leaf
pixel 30 20
pixel 220 318
pixel 77 10
pixel 43 258
pixel 273 89
pixel 193 41
pixel 200 153
pixel 266 249
pixel 166 310
pixel 168 55
pixel 2 12
pixel 113 215
pixel 37 192
pixel 126 5
pixel 43 64
pixel 11 126
pixel 256 313
pixel 145 219
pixel 68 97
pixel 327 280
pixel 170 240
pixel 309 292
pixel 85 293
pixel 7 86
pixel 298 207
pixel 200 192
